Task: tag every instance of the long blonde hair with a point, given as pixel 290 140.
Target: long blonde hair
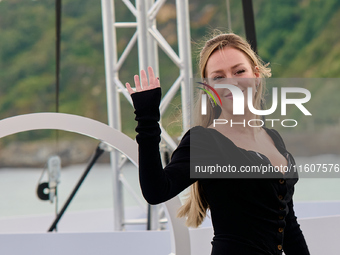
pixel 196 205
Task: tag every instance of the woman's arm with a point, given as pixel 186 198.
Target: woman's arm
pixel 157 184
pixel 294 242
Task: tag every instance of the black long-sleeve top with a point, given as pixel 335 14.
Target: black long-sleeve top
pixel 249 216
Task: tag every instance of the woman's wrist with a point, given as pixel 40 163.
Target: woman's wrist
pixel 146 104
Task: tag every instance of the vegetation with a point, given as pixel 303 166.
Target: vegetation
pixel 299 38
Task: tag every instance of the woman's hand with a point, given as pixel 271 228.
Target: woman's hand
pixel 152 84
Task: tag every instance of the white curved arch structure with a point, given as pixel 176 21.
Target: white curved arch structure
pixel 73 123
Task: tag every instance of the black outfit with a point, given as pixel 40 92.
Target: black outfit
pixel 249 216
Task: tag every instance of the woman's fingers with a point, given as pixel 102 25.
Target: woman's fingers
pixel 144 80
pixel 146 85
pixel 158 82
pixel 137 83
pixel 153 81
pixel 129 89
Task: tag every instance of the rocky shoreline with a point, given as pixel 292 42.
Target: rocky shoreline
pixel 36 153
pixel 312 143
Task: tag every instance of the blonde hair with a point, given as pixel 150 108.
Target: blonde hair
pixel 195 207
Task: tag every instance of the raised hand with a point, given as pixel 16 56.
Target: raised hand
pixel 152 84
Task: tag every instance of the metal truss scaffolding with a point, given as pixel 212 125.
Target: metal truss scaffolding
pixel 149 39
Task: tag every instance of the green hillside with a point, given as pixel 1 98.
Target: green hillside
pixel 300 38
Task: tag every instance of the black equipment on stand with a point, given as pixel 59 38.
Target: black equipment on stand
pixel 98 152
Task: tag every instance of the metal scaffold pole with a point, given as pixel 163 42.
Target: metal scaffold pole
pixel 149 41
pixel 183 27
pixel 113 104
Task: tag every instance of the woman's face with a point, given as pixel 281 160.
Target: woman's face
pixel 230 66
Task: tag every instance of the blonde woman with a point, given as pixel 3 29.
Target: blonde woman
pixel 249 215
